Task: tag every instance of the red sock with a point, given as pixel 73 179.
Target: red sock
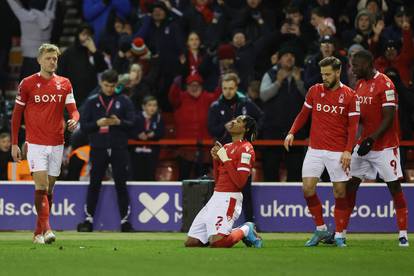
pixel 351 199
pixel 50 199
pixel 228 241
pixel 42 208
pixel 341 213
pixel 401 210
pixel 315 208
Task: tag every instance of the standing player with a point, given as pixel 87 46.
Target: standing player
pixel 335 115
pixel 42 98
pixel 232 166
pixel 378 146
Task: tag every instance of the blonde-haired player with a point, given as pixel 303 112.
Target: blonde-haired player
pixel 42 98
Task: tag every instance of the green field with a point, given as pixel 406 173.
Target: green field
pixel 158 254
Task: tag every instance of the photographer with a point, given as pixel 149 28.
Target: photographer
pixel 107 118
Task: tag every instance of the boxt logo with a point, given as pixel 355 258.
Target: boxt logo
pixel 153 207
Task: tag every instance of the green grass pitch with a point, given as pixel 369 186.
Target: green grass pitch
pixel 99 254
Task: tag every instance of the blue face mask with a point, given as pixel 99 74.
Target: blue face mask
pixel 119 88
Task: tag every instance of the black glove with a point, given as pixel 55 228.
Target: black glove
pixel 365 146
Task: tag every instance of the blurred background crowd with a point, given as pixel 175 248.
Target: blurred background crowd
pixel 169 57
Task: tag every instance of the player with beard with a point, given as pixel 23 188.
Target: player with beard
pixel 335 115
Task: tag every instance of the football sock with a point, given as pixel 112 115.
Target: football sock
pixel 340 213
pixel 228 241
pixel 315 208
pixel 245 230
pixel 50 199
pixel 401 210
pixel 351 199
pixel 403 233
pixel 42 208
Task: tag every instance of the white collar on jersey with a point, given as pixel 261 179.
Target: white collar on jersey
pixel 376 74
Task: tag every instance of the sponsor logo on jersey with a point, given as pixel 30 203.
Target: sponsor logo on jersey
pixel 327 108
pixel 390 95
pixel 365 100
pixel 51 98
pixel 245 158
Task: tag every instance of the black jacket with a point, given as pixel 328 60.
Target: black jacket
pixel 93 110
pixel 221 112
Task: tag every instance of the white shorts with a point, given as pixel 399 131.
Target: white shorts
pixel 45 158
pixel 217 217
pixel 316 160
pixel 386 162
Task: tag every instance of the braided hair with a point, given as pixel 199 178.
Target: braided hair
pixel 251 128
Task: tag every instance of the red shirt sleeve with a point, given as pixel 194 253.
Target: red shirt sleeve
pixel 353 120
pixel 304 114
pixel 388 95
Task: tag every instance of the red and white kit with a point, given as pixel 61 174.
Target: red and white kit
pixel 43 101
pixel 335 115
pixel 224 207
pixel 384 158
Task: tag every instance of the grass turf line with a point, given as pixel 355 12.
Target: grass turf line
pixel 163 254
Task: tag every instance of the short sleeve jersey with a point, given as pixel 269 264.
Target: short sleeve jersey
pixel 331 110
pixel 44 101
pixel 373 95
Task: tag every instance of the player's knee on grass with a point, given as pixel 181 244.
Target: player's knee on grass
pixel 192 242
pixel 394 187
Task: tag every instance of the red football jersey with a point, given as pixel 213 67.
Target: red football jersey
pixel 44 101
pixel 242 160
pixel 331 110
pixel 374 94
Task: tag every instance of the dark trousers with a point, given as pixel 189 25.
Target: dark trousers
pixel 143 165
pixel 272 158
pixel 191 169
pixel 247 201
pixel 100 158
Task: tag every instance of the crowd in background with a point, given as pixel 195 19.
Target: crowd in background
pixel 170 56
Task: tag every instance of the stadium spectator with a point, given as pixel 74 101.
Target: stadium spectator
pixel 96 13
pixel 81 63
pixel 253 92
pixel 148 126
pixel 229 105
pixel 107 118
pixel 7 18
pixel 36 22
pixel 190 116
pixel 5 154
pixel 135 85
pixel 282 91
pixel 395 30
pixel 397 56
pixel 197 18
pixel 42 98
pixel 332 138
pixel 312 69
pixel 362 32
pixel 233 163
pixel 377 149
pixel 165 39
pixel 254 20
